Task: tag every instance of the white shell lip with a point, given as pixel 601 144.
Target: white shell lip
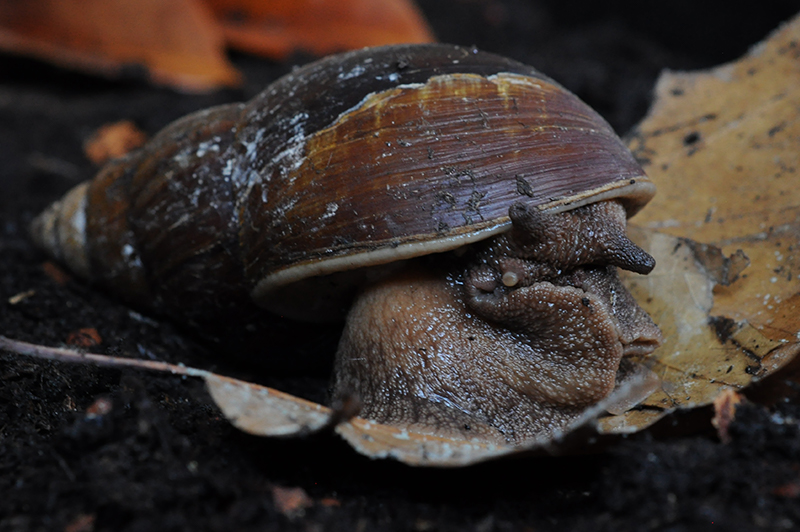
pixel 637 192
pixel 61 230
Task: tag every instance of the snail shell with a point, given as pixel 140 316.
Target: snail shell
pixel 338 173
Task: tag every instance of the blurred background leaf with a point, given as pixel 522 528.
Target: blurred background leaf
pixel 280 27
pixel 182 43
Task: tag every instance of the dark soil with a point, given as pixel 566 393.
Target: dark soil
pixel 163 459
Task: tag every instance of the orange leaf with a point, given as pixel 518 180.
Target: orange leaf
pixel 113 140
pixel 279 27
pixel 725 412
pixel 81 523
pixel 56 273
pixel 177 41
pixel 291 502
pixel 87 337
pixel 790 490
pixel 100 407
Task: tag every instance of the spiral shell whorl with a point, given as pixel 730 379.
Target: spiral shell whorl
pixel 61 231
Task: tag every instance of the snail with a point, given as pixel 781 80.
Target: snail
pixel 464 215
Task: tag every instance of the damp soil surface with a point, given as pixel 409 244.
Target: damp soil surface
pixel 85 448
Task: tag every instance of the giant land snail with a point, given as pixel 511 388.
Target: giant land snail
pixel 463 213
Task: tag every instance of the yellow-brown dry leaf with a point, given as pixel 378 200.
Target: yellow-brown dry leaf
pixel 177 41
pixel 693 364
pixel 723 147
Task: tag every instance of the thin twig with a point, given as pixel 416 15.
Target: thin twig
pixel 68 355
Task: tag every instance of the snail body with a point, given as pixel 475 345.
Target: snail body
pixel 352 179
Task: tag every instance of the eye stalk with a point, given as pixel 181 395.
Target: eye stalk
pixel 594 234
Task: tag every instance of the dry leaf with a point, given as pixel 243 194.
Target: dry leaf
pixel 113 140
pixel 330 502
pixel 280 27
pixel 383 441
pixel 177 41
pixel 182 43
pixel 81 523
pixel 790 490
pixel 99 408
pixel 264 411
pixel 725 412
pixel 56 273
pixel 291 502
pixel 678 295
pixel 85 338
pixel 723 147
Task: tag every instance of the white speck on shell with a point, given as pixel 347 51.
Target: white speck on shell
pixel 227 171
pixel 183 157
pixel 293 155
pixel 330 210
pixel 205 147
pixel 356 71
